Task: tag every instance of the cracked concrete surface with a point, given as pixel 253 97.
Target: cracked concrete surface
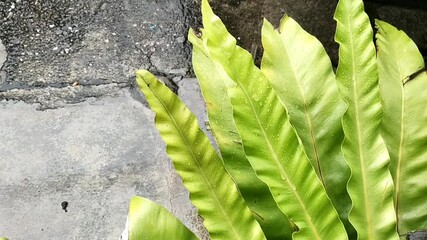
pixel 55 44
pixel 74 128
pixel 51 98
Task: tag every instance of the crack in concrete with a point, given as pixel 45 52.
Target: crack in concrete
pixel 3 59
pixel 53 98
pixel 92 82
pixel 167 77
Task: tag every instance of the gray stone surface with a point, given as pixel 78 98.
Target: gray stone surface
pixel 96 155
pixel 418 236
pixel 58 44
pixel 72 125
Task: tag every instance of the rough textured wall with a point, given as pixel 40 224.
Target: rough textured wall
pixel 244 19
pixel 63 43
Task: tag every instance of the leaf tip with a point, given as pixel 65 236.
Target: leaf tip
pixel 207 11
pixel 144 77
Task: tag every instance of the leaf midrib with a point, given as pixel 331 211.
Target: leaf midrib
pixel 359 134
pixel 187 144
pixel 280 167
pixel 307 116
pixel 401 140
